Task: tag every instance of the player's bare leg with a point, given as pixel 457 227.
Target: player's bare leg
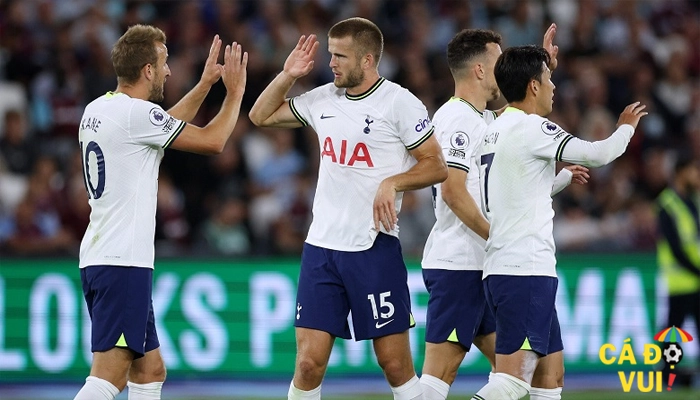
pixel 548 380
pixel 107 374
pixel 442 360
pixel 112 365
pixel 313 351
pixel 146 376
pixel 487 346
pixel 394 357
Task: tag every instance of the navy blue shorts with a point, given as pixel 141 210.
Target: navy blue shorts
pixel 457 310
pixel 370 283
pixel 524 308
pixel 120 306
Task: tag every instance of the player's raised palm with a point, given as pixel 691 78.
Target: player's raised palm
pixel 552 49
pixel 301 60
pixel 212 69
pixel 234 73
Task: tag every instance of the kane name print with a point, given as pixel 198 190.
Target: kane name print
pixel 90 123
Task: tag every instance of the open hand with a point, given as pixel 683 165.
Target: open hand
pixel 212 70
pixel 234 71
pixel 301 60
pixel 632 114
pixel 551 48
pixel 384 206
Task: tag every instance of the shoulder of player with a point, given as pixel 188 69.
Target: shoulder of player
pixel 329 90
pixel 453 117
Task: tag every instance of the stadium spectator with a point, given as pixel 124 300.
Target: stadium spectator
pixel 678 253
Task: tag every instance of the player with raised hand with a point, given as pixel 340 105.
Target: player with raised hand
pixel 518 158
pixel 376 141
pixel 452 263
pixel 123 136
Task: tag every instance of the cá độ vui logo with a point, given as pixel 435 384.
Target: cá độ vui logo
pixel 668 352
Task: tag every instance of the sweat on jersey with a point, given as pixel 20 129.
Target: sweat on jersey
pixel 363 139
pixel 122 142
pixel 459 127
pixel 518 158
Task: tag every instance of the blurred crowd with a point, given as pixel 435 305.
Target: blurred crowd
pixel 255 198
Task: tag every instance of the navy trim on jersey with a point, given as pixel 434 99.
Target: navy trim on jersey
pixel 366 93
pixel 175 134
pixel 458 166
pixel 560 149
pixel 421 140
pixel 296 113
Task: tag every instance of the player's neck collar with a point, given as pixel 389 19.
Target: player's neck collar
pixel 511 109
pixel 367 92
pixel 476 110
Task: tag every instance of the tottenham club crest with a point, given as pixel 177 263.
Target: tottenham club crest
pixel 550 128
pixel 157 116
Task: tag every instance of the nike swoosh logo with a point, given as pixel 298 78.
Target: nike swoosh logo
pixel 379 326
pixel 327 116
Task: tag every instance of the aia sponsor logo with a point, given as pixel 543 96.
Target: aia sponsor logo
pixel 341 153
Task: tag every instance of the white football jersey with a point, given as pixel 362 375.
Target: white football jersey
pixel 122 141
pixel 363 139
pixel 517 169
pixel 459 127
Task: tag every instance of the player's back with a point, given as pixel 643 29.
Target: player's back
pixel 517 179
pixel 122 146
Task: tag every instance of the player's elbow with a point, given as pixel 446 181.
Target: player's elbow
pixel 449 195
pixel 256 118
pixel 440 170
pixel 600 160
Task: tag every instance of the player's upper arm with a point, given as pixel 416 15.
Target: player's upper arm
pixel 430 149
pixel 283 117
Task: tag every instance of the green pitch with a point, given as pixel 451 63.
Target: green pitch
pixel 589 395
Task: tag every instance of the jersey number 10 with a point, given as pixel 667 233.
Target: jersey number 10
pixel 94 192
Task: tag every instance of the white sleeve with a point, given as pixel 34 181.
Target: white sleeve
pixel 561 181
pixel 300 106
pixel 459 140
pixel 149 124
pixel 596 154
pixel 413 124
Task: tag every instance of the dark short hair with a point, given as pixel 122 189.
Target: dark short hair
pixel 516 67
pixel 468 44
pixel 136 48
pixel 365 34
